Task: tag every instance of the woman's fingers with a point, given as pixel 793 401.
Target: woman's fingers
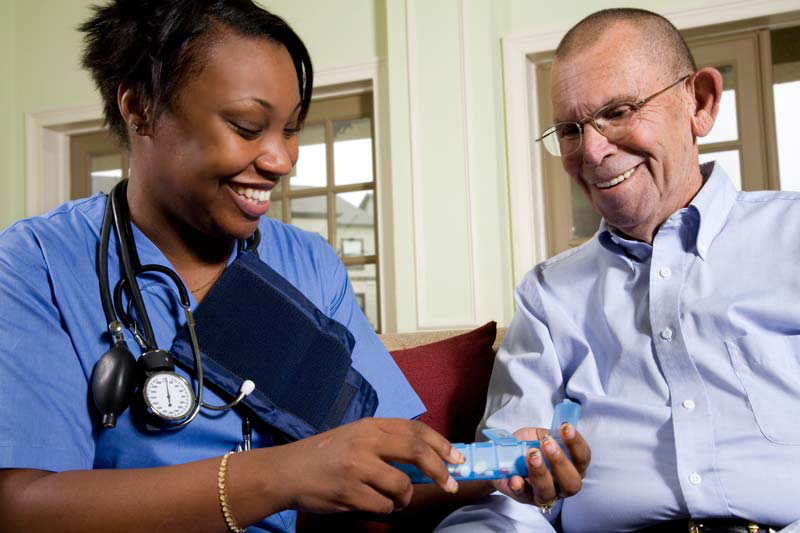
pixel 392 484
pixel 405 449
pixel 413 442
pixel 349 459
pixel 418 430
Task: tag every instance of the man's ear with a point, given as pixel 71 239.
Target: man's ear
pixel 706 86
pixel 135 110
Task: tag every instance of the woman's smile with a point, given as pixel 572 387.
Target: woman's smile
pixel 253 201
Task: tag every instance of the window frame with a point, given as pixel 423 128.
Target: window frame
pixel 326 111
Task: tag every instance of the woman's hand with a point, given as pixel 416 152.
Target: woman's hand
pixel 346 468
pixel 563 479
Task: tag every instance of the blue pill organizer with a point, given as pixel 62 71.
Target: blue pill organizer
pixel 502 456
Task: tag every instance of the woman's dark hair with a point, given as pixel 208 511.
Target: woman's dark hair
pixel 155 46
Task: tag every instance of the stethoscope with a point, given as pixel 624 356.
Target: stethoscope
pixel 167 395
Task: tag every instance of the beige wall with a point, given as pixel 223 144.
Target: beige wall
pixel 446 203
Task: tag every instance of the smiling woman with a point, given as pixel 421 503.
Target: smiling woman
pixel 214 158
pixel 209 95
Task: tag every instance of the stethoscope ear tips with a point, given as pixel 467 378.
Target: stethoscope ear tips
pixel 113 383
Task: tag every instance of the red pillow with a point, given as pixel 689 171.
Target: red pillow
pixel 451 377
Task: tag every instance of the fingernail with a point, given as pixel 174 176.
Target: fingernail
pixel 451 486
pixel 567 430
pixel 456 456
pixel 549 445
pixel 535 458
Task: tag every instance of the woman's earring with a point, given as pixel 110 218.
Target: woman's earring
pixel 135 127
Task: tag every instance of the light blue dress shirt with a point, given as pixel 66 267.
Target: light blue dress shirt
pixel 685 357
pixel 52 331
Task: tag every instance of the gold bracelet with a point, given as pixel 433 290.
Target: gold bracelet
pixel 222 475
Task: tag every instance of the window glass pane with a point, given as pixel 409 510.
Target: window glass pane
pixel 362 278
pixel 355 223
pixel 311 167
pixel 786 94
pixel 729 160
pixel 787 118
pixel 105 171
pixel 275 209
pixel 310 214
pixel 352 151
pixel 585 219
pixel 726 126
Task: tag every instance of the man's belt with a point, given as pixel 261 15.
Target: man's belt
pixel 710 525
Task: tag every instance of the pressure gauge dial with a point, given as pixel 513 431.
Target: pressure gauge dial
pixel 168 395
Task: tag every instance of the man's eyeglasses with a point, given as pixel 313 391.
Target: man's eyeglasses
pixel 614 121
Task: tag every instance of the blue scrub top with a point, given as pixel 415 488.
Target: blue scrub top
pixel 53 331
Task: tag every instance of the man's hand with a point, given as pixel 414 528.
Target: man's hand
pixel 564 478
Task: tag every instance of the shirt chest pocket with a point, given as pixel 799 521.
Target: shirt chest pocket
pixel 768 367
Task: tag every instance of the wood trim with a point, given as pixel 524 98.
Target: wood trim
pixel 770 137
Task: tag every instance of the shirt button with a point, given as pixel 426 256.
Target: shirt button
pixel 688 404
pixel 695 479
pixel 666 334
pixel 665 272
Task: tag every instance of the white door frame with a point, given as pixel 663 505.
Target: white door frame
pixel 526 198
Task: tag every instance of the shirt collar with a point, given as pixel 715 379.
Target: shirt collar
pixel 630 249
pixel 710 205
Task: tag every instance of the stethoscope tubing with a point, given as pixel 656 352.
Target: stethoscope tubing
pixel 116 215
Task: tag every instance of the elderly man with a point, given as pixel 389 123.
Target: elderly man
pixel 677 327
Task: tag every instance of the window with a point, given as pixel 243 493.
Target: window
pixel 352 247
pixel 753 137
pixel 97 163
pixel 360 298
pixel 785 55
pixel 331 191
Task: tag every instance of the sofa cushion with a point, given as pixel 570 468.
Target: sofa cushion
pixel 451 376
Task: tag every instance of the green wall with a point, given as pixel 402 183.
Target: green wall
pixel 11 192
pixel 43 50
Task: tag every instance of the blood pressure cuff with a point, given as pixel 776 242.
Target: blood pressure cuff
pixel 256 325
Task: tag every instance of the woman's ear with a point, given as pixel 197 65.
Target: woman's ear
pixel 706 86
pixel 135 112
